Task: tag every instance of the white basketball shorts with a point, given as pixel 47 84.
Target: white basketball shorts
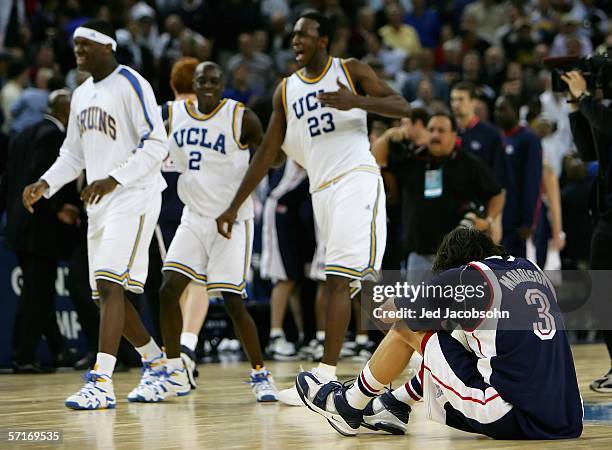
pixel 351 218
pixel 200 253
pixel 118 239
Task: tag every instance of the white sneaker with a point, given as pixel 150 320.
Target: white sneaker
pixel 313 351
pixel 172 382
pixel 97 393
pixel 291 397
pixel 263 386
pixel 280 349
pixel 151 371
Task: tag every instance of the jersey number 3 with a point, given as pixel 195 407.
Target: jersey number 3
pixel 545 329
pixel 325 124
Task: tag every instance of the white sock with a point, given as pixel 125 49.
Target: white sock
pixel 320 336
pixel 408 393
pixel 364 389
pixel 189 340
pixel 276 332
pixel 174 363
pixel 327 370
pixel 149 351
pixel 105 364
pixel 362 339
pixel 258 369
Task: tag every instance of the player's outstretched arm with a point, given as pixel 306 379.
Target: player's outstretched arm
pixel 380 98
pixel 263 159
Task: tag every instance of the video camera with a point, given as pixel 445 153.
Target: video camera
pixel 596 70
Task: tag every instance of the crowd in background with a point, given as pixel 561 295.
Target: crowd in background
pixel 421 48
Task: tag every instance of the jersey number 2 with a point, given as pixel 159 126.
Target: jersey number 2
pixel 194 160
pixel 325 124
pixel 545 329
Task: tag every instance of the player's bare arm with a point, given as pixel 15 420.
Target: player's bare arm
pixel 263 159
pixel 379 98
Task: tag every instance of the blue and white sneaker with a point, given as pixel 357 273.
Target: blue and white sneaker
pixel 386 413
pixel 189 359
pixel 329 400
pixel 172 382
pixel 151 371
pixel 97 393
pixel 263 386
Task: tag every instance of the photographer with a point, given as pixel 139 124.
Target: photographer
pixel 590 124
pixel 442 187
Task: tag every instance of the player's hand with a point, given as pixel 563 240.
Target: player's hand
pixel 226 221
pixel 32 193
pixel 558 241
pixel 94 192
pixel 69 214
pixel 576 83
pixel 342 99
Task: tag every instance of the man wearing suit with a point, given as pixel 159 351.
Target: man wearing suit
pixel 34 237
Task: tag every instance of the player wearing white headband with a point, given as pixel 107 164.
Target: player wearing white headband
pixel 115 132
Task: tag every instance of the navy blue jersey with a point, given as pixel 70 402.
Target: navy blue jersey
pixel 525 356
pixel 485 141
pixel 523 153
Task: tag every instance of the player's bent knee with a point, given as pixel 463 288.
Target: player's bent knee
pixel 336 285
pixel 171 289
pixel 109 289
pixel 234 304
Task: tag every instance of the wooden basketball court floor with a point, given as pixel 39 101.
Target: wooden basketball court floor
pixel 222 414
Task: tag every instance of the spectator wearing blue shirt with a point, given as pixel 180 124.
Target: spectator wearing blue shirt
pixel 523 154
pixel 32 104
pixel 426 22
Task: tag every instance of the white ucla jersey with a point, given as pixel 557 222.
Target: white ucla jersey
pixel 327 142
pixel 206 149
pixel 115 129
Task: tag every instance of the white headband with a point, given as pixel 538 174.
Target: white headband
pixel 95 36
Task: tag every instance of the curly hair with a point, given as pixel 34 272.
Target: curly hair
pixel 463 245
pixel 181 75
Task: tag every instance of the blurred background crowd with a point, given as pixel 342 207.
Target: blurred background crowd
pixel 479 59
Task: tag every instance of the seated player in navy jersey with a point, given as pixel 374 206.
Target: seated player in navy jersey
pixel 504 378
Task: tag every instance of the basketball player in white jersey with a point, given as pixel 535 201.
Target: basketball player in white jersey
pixel 319 119
pixel 209 143
pixel 116 134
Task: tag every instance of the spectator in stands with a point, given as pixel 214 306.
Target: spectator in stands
pixel 494 68
pixel 425 69
pixel 239 88
pixel 259 65
pixel 425 21
pixel 523 154
pixel 397 34
pixel 569 41
pixel 33 102
pixel 391 59
pixel 364 28
pixel 470 39
pixel 490 16
pixel 17 75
